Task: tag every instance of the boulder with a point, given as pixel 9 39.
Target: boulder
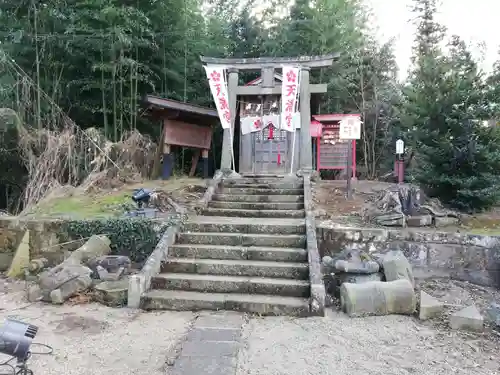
pixel 430 307
pixel 396 266
pixel 112 293
pixel 378 298
pixel 469 319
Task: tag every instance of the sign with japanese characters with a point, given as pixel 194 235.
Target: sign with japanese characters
pixel 289 97
pixel 218 86
pixel 350 128
pixel 400 147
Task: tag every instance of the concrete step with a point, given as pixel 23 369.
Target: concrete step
pixel 256 205
pixel 231 284
pixel 252 303
pixel 262 185
pixel 277 254
pixel 236 212
pixel 238 239
pixel 258 198
pixel 252 268
pixel 242 225
pixel 257 191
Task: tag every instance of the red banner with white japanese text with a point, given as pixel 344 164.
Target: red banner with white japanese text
pixel 218 86
pixel 289 98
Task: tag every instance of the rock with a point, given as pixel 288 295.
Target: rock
pixel 378 298
pixel 72 276
pixel 361 267
pixel 110 276
pixel 390 220
pixel 445 221
pixel 357 278
pixel 494 314
pixel 70 288
pixel 36 265
pixel 430 307
pixel 419 221
pixel 333 282
pixel 34 293
pixel 396 266
pixel 112 293
pixel 467 319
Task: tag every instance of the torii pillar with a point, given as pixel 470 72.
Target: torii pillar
pixel 267 66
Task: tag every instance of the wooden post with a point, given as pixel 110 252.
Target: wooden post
pixel 204 158
pixel 194 161
pixel 168 162
pixel 305 121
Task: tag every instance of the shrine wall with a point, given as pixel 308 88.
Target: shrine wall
pixel 461 256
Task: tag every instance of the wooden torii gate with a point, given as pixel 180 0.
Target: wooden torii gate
pixel 269 87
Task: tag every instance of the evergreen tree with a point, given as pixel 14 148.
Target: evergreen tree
pixel 458 160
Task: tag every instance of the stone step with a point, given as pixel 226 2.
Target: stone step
pixel 252 268
pixel 245 225
pixel 258 198
pixel 277 254
pixel 237 212
pixel 256 205
pixel 252 303
pixel 257 191
pixel 231 284
pixel 238 239
pixel 262 185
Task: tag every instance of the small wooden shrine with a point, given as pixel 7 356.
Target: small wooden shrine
pixel 184 125
pixel 331 151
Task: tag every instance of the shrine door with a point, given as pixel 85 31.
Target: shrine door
pixel 270 151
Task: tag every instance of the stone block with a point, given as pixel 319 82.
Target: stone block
pixel 467 319
pixel 378 298
pixel 430 307
pixel 419 221
pixel 113 293
pixel 396 266
pixel 494 314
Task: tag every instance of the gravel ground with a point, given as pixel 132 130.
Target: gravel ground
pixel 94 339
pixel 336 344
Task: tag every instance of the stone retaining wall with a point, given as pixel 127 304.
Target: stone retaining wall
pixel 44 239
pixel 462 256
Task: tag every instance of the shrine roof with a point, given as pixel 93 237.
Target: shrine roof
pixel 334 116
pixel 157 103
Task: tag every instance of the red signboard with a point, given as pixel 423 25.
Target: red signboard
pixel 316 129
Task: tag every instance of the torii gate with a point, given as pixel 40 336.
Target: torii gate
pixel 268 86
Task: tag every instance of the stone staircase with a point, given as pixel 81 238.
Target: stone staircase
pixel 247 252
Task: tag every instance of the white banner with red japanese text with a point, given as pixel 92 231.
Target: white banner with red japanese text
pixel 252 124
pixel 289 98
pixel 218 86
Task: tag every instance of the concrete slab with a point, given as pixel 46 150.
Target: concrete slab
pixel 251 213
pixel 430 307
pixel 253 303
pixel 231 284
pixel 285 270
pixel 467 319
pixel 257 227
pixel 277 254
pixel 238 239
pixel 258 198
pixel 257 205
pixel 204 366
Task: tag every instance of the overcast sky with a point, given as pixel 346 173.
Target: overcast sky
pixel 475 21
